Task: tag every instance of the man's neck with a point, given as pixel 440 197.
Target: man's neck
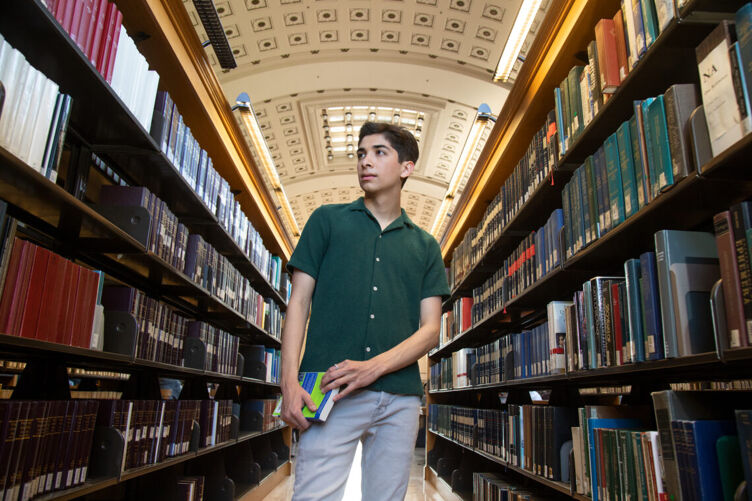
pixel 385 207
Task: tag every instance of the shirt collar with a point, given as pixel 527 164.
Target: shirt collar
pixel 402 220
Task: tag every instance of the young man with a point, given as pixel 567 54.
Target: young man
pixel 373 281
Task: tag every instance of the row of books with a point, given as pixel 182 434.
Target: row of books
pixel 47 297
pixel 191 488
pixel 200 261
pixel 619 43
pixel 526 436
pixel 531 170
pixel 96 27
pixel 456 321
pixel 35 113
pixel 161 331
pixel 269 358
pixel 194 164
pixel 256 415
pixel 45 445
pixel 488 486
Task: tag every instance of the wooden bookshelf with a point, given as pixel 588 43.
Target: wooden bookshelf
pixel 689 204
pixel 100 123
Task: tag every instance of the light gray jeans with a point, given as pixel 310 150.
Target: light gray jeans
pixel 386 424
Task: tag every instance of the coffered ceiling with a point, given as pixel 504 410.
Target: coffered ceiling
pixel 426 64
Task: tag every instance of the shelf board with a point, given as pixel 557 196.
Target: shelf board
pixel 265 485
pixel 100 359
pixel 88 487
pixel 111 130
pixel 552 484
pixel 693 367
pixel 443 488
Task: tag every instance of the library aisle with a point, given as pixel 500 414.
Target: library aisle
pixel 416 489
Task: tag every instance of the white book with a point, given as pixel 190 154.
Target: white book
pixel 27 116
pixel 147 99
pixel 665 11
pixel 5 51
pixel 628 14
pixel 579 466
pixel 42 125
pixel 585 98
pixel 120 68
pixel 50 140
pixel 557 335
pixel 10 77
pixel 655 447
pixel 724 120
pixel 19 106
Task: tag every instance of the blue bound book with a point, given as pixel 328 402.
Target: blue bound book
pixel 650 307
pixel 557 223
pixel 650 20
pixel 615 188
pixel 626 163
pixel 639 28
pixel 658 131
pixel 743 20
pixel 634 310
pixel 701 449
pixel 592 199
pixel 744 430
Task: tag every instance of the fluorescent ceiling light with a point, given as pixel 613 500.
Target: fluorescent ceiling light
pixel 474 143
pixel 267 162
pixel 517 36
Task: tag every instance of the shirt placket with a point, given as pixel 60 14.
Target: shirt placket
pixel 376 275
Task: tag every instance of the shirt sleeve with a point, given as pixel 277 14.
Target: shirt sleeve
pixel 312 245
pixel 434 278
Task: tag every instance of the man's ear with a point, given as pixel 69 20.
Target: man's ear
pixel 407 169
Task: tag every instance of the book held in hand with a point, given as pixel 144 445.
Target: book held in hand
pixel 311 382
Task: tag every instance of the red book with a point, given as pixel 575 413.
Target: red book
pixel 617 324
pixel 113 45
pixel 33 303
pixel 621 45
pixel 67 14
pixel 22 289
pixel 467 316
pixel 608 59
pixel 99 31
pixel 91 27
pixel 86 301
pixel 52 6
pixel 59 11
pixel 53 299
pixel 66 330
pixel 84 25
pixel 105 44
pixel 75 23
pixel 13 276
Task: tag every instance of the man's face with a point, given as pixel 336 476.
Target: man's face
pixel 379 167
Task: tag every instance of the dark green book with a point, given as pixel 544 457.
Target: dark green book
pixel 613 172
pixel 626 162
pixel 657 130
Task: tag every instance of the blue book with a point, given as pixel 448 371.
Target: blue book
pixel 739 76
pixel 560 127
pixel 637 163
pixel 743 20
pixel 592 200
pixel 651 307
pixel 702 451
pixel 650 21
pixel 639 27
pixel 587 235
pixel 557 223
pixel 601 190
pixel 311 382
pixel 658 131
pixel 652 161
pixel 603 423
pixel 634 310
pixel 744 431
pixel 615 189
pixel 626 162
pixel 577 223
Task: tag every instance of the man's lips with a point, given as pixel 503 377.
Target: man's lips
pixel 367 177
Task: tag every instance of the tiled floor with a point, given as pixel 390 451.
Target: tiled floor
pixel 415 490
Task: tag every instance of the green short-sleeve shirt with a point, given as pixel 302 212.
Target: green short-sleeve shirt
pixel 369 285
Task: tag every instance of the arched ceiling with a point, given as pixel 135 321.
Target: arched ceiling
pixel 427 64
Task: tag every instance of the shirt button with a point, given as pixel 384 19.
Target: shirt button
pixel 368 348
pixel 375 288
pixel 373 316
pixel 379 236
pixel 377 260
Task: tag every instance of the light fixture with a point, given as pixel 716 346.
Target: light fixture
pixel 215 32
pixel 517 36
pixel 372 116
pixel 267 162
pixel 473 143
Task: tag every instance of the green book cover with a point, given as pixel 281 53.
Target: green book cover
pixel 650 20
pixel 311 382
pixel 587 234
pixel 656 122
pixel 575 100
pixel 615 189
pixel 729 464
pixel 592 200
pixel 626 162
pixel 566 113
pixel 637 162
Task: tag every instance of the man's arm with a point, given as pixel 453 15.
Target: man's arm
pixel 293 396
pixel 360 374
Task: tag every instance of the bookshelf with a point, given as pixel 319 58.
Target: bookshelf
pixel 78 229
pixel 689 204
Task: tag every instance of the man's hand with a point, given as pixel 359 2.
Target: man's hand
pixel 294 397
pixel 353 374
